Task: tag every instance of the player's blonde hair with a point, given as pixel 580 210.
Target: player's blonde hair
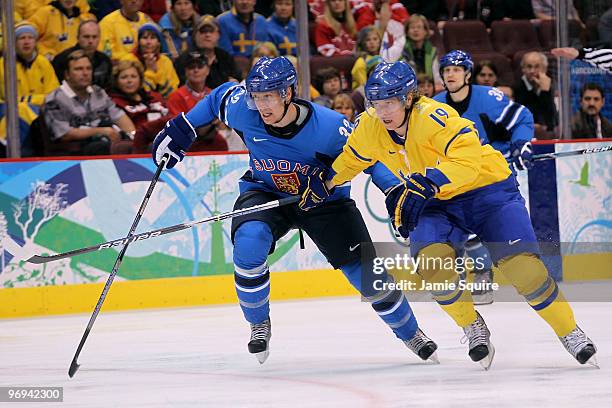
pixel 416 96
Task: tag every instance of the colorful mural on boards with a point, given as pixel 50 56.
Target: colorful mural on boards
pixel 49 207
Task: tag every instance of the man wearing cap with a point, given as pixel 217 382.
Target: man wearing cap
pixel 222 67
pixel 188 95
pixel 119 29
pixel 88 38
pixel 35 79
pixel 242 28
pixel 195 89
pixel 35 75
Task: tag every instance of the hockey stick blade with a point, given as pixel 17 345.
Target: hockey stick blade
pixel 73 368
pixel 40 259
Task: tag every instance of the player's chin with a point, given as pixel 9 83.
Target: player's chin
pixel 452 87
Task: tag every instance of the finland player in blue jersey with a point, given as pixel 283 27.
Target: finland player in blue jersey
pixel 289 140
pixel 506 125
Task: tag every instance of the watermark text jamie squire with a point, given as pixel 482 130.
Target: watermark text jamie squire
pixel 461 284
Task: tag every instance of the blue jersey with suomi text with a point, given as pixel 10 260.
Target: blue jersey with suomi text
pixel 499 120
pixel 282 164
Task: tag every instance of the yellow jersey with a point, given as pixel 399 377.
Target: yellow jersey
pixel 27 8
pixel 118 35
pixel 440 145
pixel 34 83
pixel 56 32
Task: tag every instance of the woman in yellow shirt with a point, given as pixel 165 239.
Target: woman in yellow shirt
pixel 160 75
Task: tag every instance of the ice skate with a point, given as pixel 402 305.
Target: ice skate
pixel 480 347
pixel 483 296
pixel 580 346
pixel 260 340
pixel 423 346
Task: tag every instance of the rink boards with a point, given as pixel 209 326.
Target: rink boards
pixel 57 205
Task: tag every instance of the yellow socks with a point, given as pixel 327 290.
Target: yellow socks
pixel 530 277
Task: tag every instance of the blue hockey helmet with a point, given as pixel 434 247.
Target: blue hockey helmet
pixel 390 80
pixel 458 58
pixel 271 74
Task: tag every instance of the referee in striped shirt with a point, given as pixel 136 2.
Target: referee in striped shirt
pixel 599 57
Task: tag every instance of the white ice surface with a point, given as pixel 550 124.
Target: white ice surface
pixel 324 353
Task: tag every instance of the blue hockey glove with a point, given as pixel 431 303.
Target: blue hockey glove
pixel 316 191
pixel 522 156
pixel 174 139
pixel 405 202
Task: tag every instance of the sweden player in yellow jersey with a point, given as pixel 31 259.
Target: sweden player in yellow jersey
pixel 449 185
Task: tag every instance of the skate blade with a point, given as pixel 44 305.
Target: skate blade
pixel 434 358
pixel 593 362
pixel 262 356
pixel 488 360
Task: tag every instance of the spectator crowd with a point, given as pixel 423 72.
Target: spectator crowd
pixel 103 76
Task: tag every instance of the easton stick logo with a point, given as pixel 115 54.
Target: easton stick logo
pixel 130 240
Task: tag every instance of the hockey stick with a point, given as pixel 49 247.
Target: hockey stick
pixel 39 259
pixel 548 156
pixel 74 366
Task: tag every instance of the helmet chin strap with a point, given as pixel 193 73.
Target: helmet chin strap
pixel 284 113
pixel 458 89
pixel 406 116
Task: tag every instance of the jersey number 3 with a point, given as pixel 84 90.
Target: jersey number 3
pixel 346 129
